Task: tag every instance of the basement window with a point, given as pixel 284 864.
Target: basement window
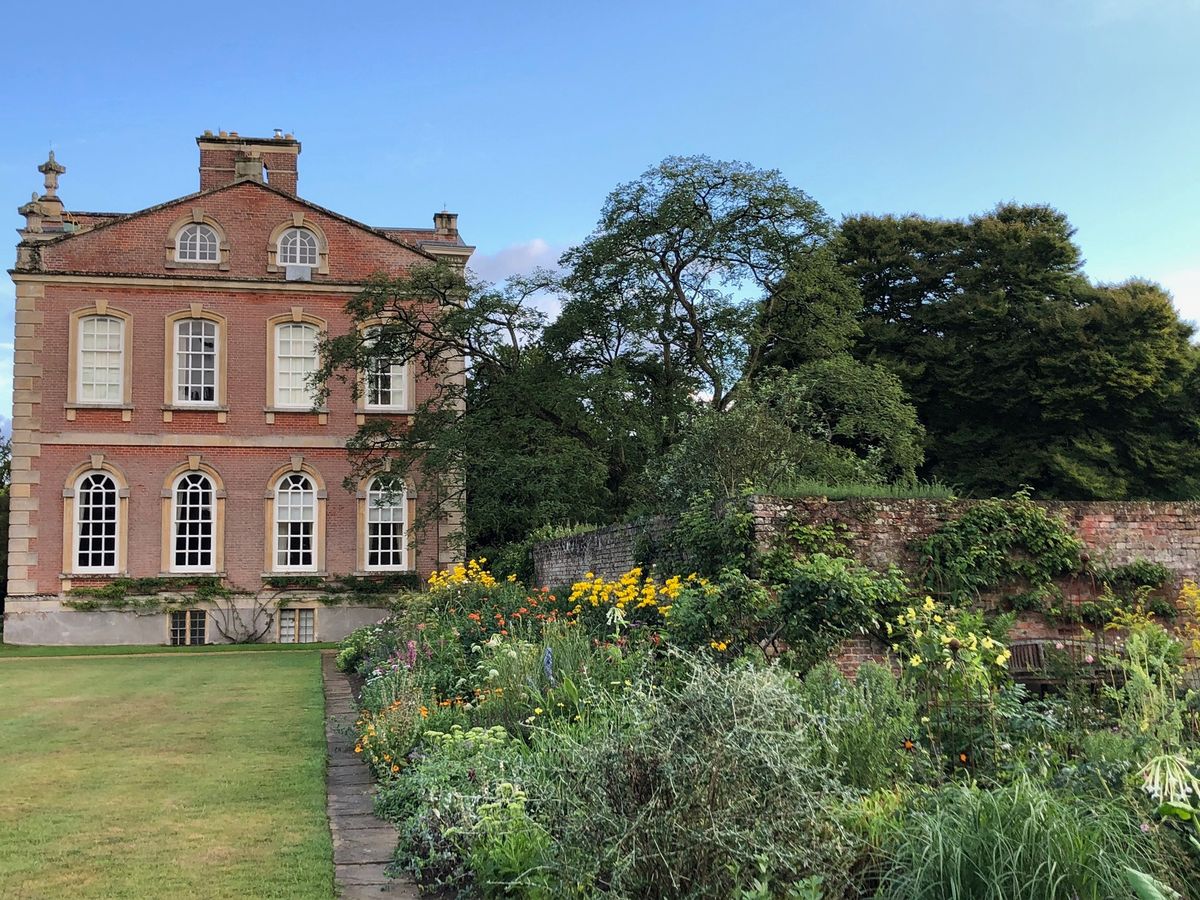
pixel 188 627
pixel 297 626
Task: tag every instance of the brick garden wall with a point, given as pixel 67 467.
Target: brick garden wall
pixel 606 551
pixel 880 533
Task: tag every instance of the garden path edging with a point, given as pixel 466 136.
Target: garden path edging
pixel 362 844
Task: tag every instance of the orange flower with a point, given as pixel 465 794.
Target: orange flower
pixel 473 616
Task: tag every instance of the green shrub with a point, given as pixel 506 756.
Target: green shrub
pixel 736 616
pixel 869 724
pixel 699 790
pixel 831 598
pixel 1017 842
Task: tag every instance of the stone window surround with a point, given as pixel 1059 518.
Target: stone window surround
pixel 99 308
pixel 199 217
pixel 269 568
pixel 194 463
pixel 410 514
pixel 170 405
pixel 270 409
pixel 298 220
pixel 97 463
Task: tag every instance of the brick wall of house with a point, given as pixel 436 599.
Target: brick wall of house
pixel 125 263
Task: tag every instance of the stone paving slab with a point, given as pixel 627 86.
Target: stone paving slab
pixel 362 844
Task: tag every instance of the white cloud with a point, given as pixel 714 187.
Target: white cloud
pixel 521 259
pixel 1184 286
pixel 516 259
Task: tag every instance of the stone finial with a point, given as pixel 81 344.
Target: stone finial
pixel 51 169
pixel 32 211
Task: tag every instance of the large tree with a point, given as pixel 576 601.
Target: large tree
pixel 700 278
pixel 1023 371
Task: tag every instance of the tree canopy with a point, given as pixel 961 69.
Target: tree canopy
pixel 718 330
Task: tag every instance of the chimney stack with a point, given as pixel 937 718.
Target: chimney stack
pixel 227 157
pixel 446 223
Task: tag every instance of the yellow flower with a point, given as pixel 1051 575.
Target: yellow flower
pixel 915 661
pixel 937 619
pixel 929 605
pixel 1001 659
pixel 918 633
pixel 537 710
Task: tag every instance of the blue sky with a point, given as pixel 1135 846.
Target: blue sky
pixel 521 116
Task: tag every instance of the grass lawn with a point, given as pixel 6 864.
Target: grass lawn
pixel 27 650
pixel 181 775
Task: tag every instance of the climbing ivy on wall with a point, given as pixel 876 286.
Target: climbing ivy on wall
pixel 1012 546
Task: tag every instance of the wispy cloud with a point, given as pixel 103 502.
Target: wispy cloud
pixel 516 259
pixel 521 259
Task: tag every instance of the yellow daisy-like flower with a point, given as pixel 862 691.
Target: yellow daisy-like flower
pixel 915 661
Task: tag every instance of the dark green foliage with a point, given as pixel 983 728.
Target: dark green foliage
pixel 832 598
pixel 1021 370
pixel 1013 546
pixel 149 594
pixel 710 536
pixel 516 558
pixel 834 420
pixel 1141 573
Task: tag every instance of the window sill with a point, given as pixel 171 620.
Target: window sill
pixel 295 573
pixel 169 410
pixel 190 576
pixel 381 573
pixel 72 407
pixel 197 266
pixel 270 412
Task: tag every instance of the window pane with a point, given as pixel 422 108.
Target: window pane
pixel 196 243
pixel 298 247
pixel 307 618
pixel 295 522
pixel 101 359
pixel 386 541
pixel 295 361
pixel 192 524
pixel 96 523
pixel 196 361
pixel 387 379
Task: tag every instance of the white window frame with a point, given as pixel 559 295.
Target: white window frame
pixel 120 367
pixel 400 504
pixel 292 621
pixel 212 525
pixel 313 521
pixel 199 228
pixel 177 368
pixel 77 526
pixel 288 248
pixel 397 373
pixel 311 400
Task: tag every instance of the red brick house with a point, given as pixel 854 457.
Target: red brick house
pixel 163 426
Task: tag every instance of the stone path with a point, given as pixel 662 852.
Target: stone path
pixel 362 844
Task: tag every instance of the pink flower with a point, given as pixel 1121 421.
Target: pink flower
pixel 1089 659
pixel 1145 826
pixel 1058 645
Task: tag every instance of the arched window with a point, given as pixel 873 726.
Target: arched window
pixel 295 361
pixel 197 243
pixel 101 359
pixel 386 379
pixel 298 247
pixel 96 525
pixel 387 542
pixel 192 524
pixel 295 523
pixel 196 361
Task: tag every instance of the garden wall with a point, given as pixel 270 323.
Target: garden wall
pixel 881 532
pixel 606 551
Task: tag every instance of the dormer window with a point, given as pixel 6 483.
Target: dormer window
pixel 197 243
pixel 298 247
